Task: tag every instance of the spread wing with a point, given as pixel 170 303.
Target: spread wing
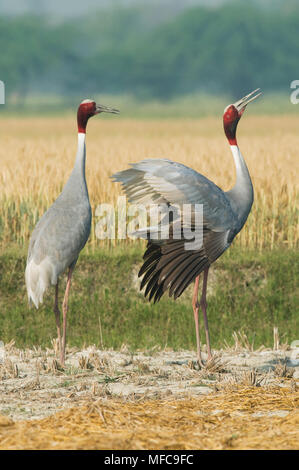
pixel 167 182
pixel 170 264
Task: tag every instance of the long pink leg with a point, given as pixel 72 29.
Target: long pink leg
pixel 195 306
pixel 203 304
pixel 57 316
pixel 64 312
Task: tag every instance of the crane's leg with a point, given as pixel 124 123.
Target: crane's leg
pixel 195 306
pixel 203 304
pixel 57 317
pixel 64 312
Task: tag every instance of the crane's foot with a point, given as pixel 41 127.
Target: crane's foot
pixel 196 364
pixel 201 364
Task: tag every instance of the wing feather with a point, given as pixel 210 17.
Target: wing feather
pixel 164 181
pixel 170 266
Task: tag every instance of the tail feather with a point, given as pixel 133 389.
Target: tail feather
pixel 38 278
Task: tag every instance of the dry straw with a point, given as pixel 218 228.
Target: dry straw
pixel 242 418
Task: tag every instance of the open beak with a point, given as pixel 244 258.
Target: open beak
pixel 243 102
pixel 100 108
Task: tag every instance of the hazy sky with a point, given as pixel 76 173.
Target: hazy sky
pixel 67 8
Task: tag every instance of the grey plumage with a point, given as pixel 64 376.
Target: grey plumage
pixel 167 264
pixel 63 230
pixel 164 181
pixel 61 233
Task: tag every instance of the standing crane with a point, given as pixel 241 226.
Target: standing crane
pixel 168 265
pixel 62 231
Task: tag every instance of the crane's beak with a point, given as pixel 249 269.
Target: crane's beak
pixel 100 108
pixel 243 102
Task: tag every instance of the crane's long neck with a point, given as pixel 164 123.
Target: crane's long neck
pixel 81 155
pixel 76 187
pixel 241 195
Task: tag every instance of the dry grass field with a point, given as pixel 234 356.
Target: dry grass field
pixel 37 155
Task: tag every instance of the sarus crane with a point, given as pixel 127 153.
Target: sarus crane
pixel 62 231
pixel 168 263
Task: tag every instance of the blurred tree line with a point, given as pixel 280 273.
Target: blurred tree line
pixel 231 49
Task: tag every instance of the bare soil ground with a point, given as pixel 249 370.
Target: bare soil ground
pixel 242 399
pixel 33 386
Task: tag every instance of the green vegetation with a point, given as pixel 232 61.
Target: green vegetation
pixel 249 292
pixel 147 53
pixel 189 106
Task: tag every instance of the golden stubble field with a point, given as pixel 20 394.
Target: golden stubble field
pixel 37 155
pixel 107 399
